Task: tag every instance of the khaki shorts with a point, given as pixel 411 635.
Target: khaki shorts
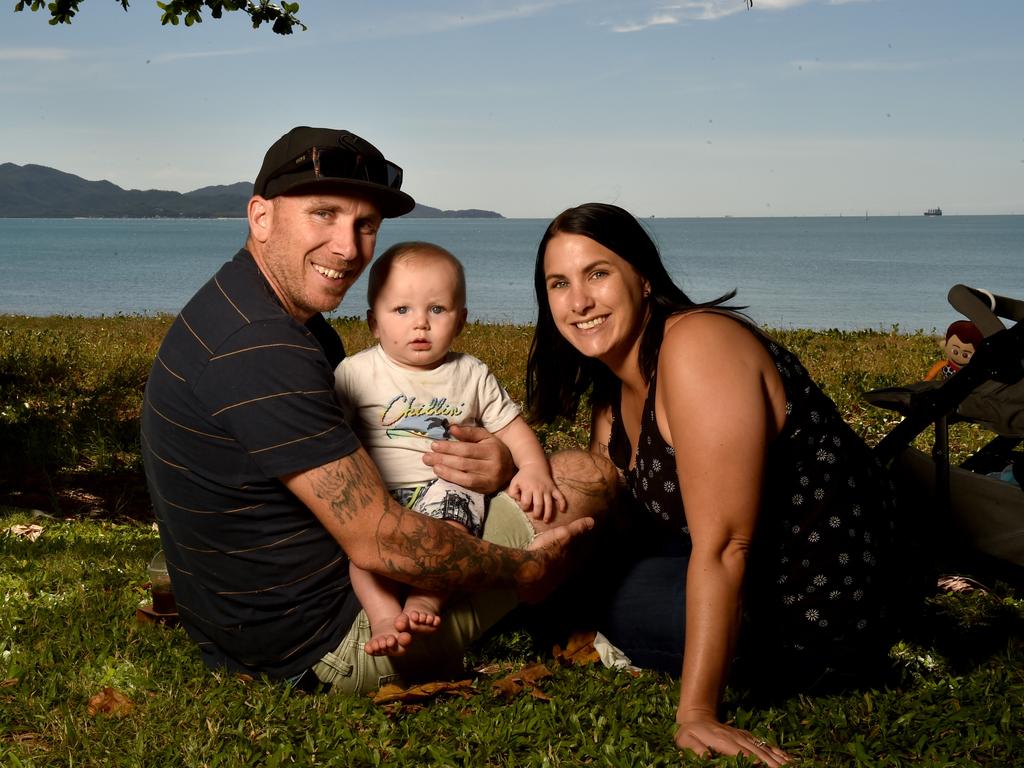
pixel 436 656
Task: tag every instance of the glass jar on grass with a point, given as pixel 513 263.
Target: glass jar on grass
pixel 160 585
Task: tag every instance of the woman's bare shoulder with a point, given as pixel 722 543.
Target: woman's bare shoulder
pixel 712 357
pixel 709 332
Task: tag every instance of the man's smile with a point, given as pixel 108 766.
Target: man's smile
pixel 333 274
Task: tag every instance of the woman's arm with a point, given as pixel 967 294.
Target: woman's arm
pixel 601 430
pixel 718 404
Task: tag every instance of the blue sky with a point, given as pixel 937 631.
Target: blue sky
pixel 693 108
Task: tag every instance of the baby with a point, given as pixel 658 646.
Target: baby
pixel 403 394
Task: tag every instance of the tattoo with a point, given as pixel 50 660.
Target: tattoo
pixel 418 550
pixel 348 486
pixel 434 555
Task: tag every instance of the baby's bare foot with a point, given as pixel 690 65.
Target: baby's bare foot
pixel 421 614
pixel 386 641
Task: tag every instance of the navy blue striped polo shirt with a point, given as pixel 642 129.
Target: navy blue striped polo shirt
pixel 241 394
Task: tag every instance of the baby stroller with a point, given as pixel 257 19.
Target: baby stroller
pixel 976 519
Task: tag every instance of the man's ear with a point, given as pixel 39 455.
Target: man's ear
pixel 462 321
pixel 260 215
pixel 371 320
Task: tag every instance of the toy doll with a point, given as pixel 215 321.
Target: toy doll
pixel 962 337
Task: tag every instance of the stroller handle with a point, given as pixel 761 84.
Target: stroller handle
pixel 984 308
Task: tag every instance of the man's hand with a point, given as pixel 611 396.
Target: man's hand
pixel 553 548
pixel 476 459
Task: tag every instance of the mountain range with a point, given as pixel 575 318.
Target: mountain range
pixel 35 191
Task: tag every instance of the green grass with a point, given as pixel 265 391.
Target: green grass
pixel 70 392
pixel 68 629
pixel 71 389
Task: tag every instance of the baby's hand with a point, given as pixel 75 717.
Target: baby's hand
pixel 537 494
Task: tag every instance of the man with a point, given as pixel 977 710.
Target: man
pixel 261 490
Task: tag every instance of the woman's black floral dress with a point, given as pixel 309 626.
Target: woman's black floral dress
pixel 816 583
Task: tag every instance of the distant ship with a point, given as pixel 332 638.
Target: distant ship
pixel 933 212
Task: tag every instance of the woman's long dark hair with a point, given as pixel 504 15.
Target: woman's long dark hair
pixel 557 374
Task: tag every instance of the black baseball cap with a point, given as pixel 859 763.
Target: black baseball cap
pixel 306 158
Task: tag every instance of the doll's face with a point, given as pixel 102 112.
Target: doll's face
pixel 959 352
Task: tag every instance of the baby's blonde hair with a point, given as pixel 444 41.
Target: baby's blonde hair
pixel 407 251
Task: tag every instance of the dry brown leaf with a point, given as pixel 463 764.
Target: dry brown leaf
pixel 506 687
pixel 29 739
pixel 110 702
pixel 9 682
pixel 533 672
pixel 960 584
pixel 388 690
pixel 30 532
pixel 579 651
pixel 390 693
pixel 514 683
pixel 537 693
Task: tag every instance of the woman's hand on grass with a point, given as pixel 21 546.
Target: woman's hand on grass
pixel 705 735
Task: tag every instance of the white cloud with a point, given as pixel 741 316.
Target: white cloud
pixel 496 16
pixel 689 10
pixel 708 10
pixel 165 57
pixel 657 20
pixel 778 5
pixel 423 22
pixel 34 54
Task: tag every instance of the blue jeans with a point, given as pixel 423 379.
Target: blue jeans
pixel 641 609
pixel 644 612
pixel 632 588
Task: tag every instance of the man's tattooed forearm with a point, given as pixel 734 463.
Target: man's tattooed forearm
pixel 349 487
pixel 436 556
pixel 414 549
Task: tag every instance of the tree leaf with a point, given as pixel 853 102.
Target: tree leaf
pixel 110 702
pixel 30 532
pixel 515 682
pixel 390 693
pixel 579 650
pixel 507 688
pixel 533 672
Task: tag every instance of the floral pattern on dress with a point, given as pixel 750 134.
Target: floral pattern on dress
pixel 815 571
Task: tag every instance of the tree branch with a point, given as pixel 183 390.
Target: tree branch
pixel 282 17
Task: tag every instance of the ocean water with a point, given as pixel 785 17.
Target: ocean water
pixel 843 272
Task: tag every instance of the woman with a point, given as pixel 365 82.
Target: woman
pixel 778 561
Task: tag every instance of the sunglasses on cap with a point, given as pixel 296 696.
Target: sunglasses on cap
pixel 344 164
